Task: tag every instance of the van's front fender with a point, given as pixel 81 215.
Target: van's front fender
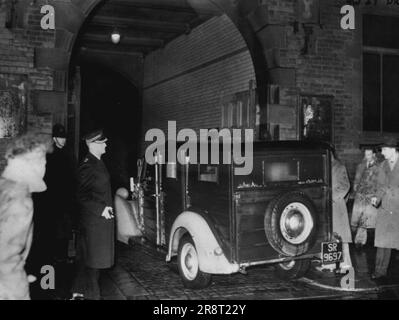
pixel 210 254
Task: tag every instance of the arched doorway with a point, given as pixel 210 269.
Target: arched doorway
pixel 73 14
pixel 105 79
pixel 146 26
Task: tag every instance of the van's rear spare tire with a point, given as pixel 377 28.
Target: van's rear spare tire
pixel 291 224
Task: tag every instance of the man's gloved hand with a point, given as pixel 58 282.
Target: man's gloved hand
pixel 108 213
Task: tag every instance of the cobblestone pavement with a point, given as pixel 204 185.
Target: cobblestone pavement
pixel 142 273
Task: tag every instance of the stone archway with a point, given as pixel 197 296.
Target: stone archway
pixel 75 12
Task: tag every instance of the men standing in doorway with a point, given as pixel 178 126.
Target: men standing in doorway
pixel 96 219
pixel 387 200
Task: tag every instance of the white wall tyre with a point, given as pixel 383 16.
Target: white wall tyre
pixel 188 264
pixel 292 269
pixel 291 224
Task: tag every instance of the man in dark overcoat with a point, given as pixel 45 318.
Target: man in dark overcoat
pixel 60 172
pixel 52 217
pixel 96 218
pixel 387 201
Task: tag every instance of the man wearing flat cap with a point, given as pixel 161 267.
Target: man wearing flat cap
pixel 96 217
pixel 387 201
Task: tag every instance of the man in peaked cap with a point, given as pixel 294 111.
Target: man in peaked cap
pixel 387 201
pixel 96 217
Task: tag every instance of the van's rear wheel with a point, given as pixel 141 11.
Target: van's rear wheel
pixel 292 269
pixel 188 264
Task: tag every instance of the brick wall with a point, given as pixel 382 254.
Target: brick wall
pixel 333 68
pixel 327 70
pixel 186 80
pixel 17 48
pixel 192 72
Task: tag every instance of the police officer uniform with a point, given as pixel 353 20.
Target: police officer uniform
pixel 96 232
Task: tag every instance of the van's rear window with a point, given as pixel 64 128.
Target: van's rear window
pixel 281 171
pixel 299 169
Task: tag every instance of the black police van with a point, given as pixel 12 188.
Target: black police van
pixel 216 222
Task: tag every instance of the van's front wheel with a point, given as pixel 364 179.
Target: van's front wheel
pixel 292 269
pixel 188 264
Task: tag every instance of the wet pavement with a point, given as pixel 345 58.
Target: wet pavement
pixel 141 273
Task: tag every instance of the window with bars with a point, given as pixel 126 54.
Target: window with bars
pixel 380 73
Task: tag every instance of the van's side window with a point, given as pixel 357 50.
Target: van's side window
pixel 208 173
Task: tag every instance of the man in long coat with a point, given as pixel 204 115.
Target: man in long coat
pixel 53 216
pixel 340 188
pixel 60 182
pixel 340 221
pixel 96 217
pixel 387 200
pixel 365 186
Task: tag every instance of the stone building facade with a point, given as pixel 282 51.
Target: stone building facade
pixel 264 41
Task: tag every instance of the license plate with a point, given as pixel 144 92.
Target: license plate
pixel 331 252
